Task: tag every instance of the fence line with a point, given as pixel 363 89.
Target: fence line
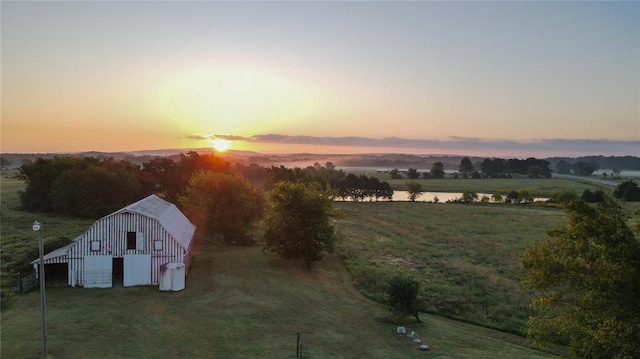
pixel 27 282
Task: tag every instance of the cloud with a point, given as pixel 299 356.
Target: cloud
pixel 451 145
pixel 199 137
pixel 230 137
pixel 220 137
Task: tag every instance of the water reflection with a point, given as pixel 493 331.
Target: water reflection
pixel 437 197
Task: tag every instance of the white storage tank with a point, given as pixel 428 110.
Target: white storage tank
pixel 172 277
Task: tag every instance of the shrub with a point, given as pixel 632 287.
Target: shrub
pixel 402 294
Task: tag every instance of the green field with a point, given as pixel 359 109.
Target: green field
pixel 238 303
pixel 466 256
pixel 242 303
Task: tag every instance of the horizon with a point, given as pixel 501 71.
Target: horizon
pixel 503 79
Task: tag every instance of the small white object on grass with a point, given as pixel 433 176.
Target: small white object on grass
pixel 423 347
pixel 401 330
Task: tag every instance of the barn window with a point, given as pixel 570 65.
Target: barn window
pixel 131 240
pixel 135 240
pixel 95 246
pixel 157 245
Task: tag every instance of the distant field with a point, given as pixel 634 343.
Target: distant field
pixel 466 256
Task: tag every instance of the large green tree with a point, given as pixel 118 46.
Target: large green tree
pixel 587 282
pixel 223 204
pixel 297 223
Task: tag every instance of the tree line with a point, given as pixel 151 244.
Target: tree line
pixel 224 201
pixel 489 168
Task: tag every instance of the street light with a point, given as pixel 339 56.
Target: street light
pixel 43 305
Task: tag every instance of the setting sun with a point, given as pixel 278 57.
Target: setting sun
pixel 221 145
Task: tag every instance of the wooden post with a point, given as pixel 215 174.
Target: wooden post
pixel 20 282
pixel 298 346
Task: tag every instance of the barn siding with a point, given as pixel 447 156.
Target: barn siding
pixel 112 233
pixel 151 218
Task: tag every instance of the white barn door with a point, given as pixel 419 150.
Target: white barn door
pixel 97 271
pixel 137 270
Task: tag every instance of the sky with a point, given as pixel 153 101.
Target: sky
pixel 499 78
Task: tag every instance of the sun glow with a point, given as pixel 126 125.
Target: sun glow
pixel 236 99
pixel 220 145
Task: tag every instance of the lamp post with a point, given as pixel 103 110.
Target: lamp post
pixel 43 305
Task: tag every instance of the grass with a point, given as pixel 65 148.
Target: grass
pixel 18 242
pixel 466 256
pixel 238 303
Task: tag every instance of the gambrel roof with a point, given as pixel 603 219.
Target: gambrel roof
pixel 154 207
pixel 169 216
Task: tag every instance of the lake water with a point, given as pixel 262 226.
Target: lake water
pixel 443 197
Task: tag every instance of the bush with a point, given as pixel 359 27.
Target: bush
pixel 402 294
pixel 628 191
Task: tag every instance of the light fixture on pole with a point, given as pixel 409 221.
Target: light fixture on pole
pixel 43 305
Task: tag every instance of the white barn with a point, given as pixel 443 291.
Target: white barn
pixel 128 246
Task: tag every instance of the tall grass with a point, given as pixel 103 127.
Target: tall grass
pixel 18 241
pixel 467 256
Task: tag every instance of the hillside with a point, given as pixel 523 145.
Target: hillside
pixel 239 303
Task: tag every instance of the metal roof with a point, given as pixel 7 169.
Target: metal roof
pixel 169 216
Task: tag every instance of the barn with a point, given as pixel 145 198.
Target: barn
pixel 127 247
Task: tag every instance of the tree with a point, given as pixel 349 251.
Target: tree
pixel 330 166
pixel 412 173
pixel 437 170
pixel 466 167
pixel 628 191
pixel 512 197
pixel 415 190
pixel 40 176
pixel 469 197
pixel 96 190
pixel 584 168
pixel 223 204
pixel 563 167
pixel 596 196
pixel 402 293
pixel 395 174
pixel 297 223
pixel 587 279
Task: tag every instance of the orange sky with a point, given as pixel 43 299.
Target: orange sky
pixel 127 76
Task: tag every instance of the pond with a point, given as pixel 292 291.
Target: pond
pixel 442 197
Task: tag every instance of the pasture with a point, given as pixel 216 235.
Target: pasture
pixel 242 303
pixel 238 303
pixel 466 256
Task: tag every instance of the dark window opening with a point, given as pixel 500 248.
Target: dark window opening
pixel 131 240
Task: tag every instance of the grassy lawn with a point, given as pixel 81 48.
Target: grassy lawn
pixel 466 256
pixel 238 303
